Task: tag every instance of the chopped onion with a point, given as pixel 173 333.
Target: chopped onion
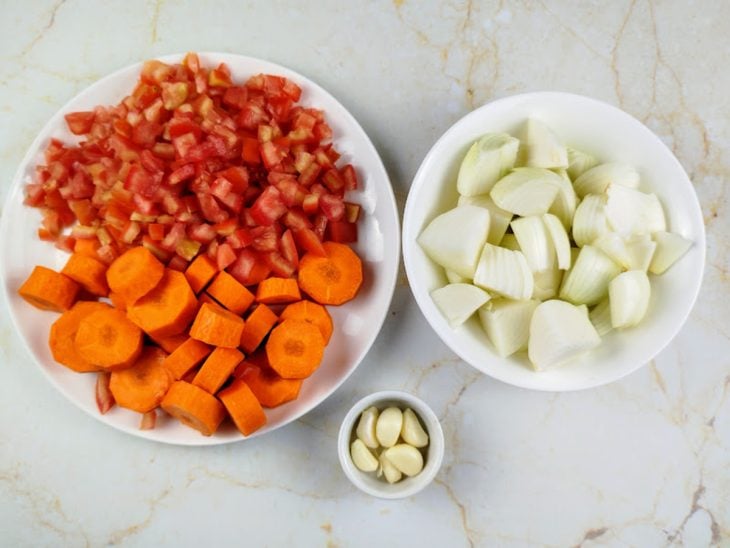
pixel 670 248
pixel 527 191
pixel 499 219
pixel 565 201
pixel 559 332
pixel 560 240
pixel 505 272
pixel 458 302
pixel 597 179
pixel 509 241
pixel 590 220
pixel 600 317
pixel 507 324
pixel 615 247
pixel 455 239
pixel 587 282
pixel 487 161
pixel 629 294
pixel 535 242
pixel 455 278
pixel 546 284
pixel 631 211
pixel 542 146
pixel 641 251
pixel 579 162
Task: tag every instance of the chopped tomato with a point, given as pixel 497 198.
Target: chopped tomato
pixel 80 122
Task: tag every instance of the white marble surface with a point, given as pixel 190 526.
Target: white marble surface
pixel 642 462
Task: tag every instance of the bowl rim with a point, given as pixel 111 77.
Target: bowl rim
pixel 436 447
pixel 419 180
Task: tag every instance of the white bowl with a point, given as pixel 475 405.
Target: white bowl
pixel 612 135
pixel 368 482
pixel 357 323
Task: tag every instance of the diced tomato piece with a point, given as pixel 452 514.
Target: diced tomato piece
pixel 310 204
pixel 268 207
pixel 310 174
pixel 191 62
pixel 181 174
pixel 144 95
pixel 180 126
pixel 34 194
pixel 341 232
pixel 107 253
pixel 235 96
pixel 302 160
pixel 238 176
pixel 250 150
pixel 45 235
pixel 249 268
pixel 78 187
pixel 202 232
pixel 264 238
pixel 155 72
pixel 226 256
pixel 145 133
pixel 141 182
pixel 350 177
pixel 292 90
pixel 240 238
pixel 333 180
pixel 174 94
pixel 292 193
pixel 210 208
pixel 272 154
pixel 80 122
pixel 125 150
pixel 84 211
pixel 164 151
pixel 130 232
pixel 65 243
pixel 220 77
pixel 279 265
pixel 320 224
pixel 279 107
pixel 332 206
pixel 176 263
pixel 187 249
pixel 154 247
pixel 308 241
pixel 156 231
pixel 227 227
pixel 296 219
pixel 251 116
pixel 322 158
pixel 155 112
pixel 289 249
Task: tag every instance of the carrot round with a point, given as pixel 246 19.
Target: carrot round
pixel 295 349
pixel 118 301
pixel 186 356
pixel 278 290
pixel 88 272
pixel 217 326
pixel 311 312
pixel 108 339
pixel 269 388
pixel 171 343
pixel 142 386
pixel 200 272
pixel 217 368
pixel 257 326
pixel 63 332
pixel 243 407
pixel 166 310
pixel 194 407
pixel 134 273
pixel 334 279
pixel 49 290
pixel 230 293
pixel 87 246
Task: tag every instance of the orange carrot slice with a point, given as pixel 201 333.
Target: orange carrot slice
pixel 295 349
pixel 88 272
pixel 63 332
pixel 194 407
pixel 200 272
pixel 243 407
pixel 334 279
pixel 312 312
pixel 278 290
pixel 269 388
pixel 87 246
pixel 118 301
pixel 171 343
pixel 104 398
pixel 49 290
pixel 142 386
pixel 134 273
pixel 230 293
pixel 216 326
pixel 108 339
pixel 186 356
pixel 166 310
pixel 257 326
pixel 217 368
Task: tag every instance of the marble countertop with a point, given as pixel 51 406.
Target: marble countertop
pixel 641 462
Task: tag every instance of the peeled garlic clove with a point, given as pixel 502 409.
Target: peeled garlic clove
pixel 389 426
pixel 366 427
pixel 392 474
pixel 405 458
pixel 362 457
pixel 412 431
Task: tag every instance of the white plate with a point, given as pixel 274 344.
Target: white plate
pixel 612 135
pixel 356 324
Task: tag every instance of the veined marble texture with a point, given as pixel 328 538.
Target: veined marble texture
pixel 641 462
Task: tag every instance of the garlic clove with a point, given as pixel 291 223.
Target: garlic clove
pixel 412 432
pixel 405 458
pixel 388 426
pixel 362 457
pixel 392 474
pixel 366 427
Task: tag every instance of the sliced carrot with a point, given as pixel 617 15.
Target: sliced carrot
pixel 63 332
pixel 87 272
pixel 142 386
pixel 312 312
pixel 217 368
pixel 200 272
pixel 194 407
pixel 278 290
pixel 118 301
pixel 49 290
pixel 268 387
pixel 217 326
pixel 295 349
pixel 108 339
pixel 87 246
pixel 166 310
pixel 205 298
pixel 186 356
pixel 104 399
pixel 334 279
pixel 257 326
pixel 243 407
pixel 134 273
pixel 230 293
pixel 171 343
pixel 148 420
